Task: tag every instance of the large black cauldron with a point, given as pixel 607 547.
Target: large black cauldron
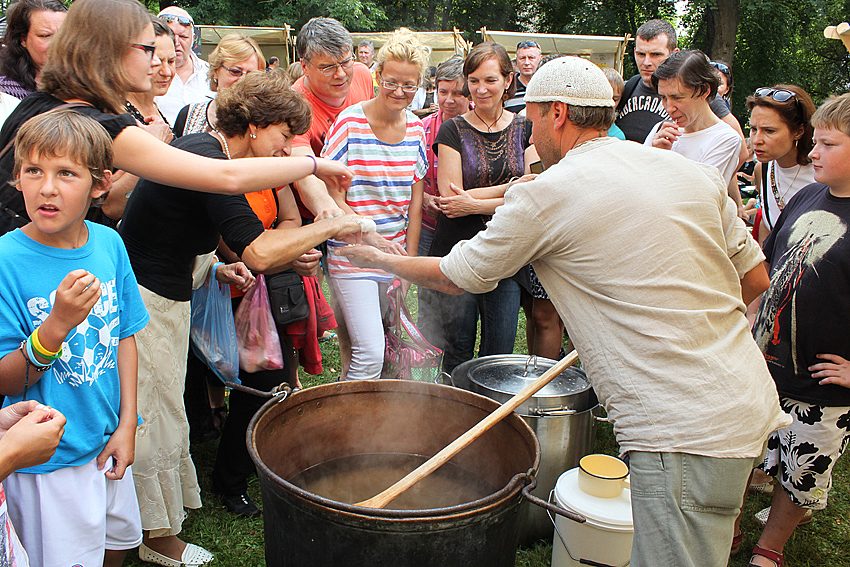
pixel 325 423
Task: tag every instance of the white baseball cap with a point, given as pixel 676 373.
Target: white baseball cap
pixel 571 80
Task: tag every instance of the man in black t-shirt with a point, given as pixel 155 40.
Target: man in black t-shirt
pixel 528 56
pixel 640 107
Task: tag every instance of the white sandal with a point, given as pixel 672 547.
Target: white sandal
pixel 193 556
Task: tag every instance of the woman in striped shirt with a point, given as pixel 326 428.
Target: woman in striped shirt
pixel 384 145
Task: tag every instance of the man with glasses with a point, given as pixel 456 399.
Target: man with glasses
pixel 333 80
pixel 191 83
pixel 528 56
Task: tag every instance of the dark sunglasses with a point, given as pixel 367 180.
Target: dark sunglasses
pixel 527 44
pixel 182 20
pixel 779 95
pixel 722 67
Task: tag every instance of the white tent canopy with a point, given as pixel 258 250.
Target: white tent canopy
pixel 273 41
pixel 605 51
pixel 442 44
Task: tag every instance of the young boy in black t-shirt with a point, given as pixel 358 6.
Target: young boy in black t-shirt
pixel 802 330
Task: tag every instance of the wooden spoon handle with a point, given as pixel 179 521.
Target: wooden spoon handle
pixel 456 446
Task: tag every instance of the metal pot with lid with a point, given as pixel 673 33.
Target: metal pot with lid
pixel 501 376
pixel 561 416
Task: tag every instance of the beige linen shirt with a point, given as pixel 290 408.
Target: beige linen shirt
pixel 642 253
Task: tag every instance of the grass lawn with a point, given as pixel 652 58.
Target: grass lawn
pixel 238 542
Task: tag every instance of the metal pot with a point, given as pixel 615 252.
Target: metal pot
pixel 321 424
pixel 561 416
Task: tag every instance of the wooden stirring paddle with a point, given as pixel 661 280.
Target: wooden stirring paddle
pixel 456 446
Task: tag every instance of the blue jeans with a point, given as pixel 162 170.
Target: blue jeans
pixel 458 318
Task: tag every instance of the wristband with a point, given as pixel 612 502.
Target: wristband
pixel 315 163
pixel 40 349
pixel 26 347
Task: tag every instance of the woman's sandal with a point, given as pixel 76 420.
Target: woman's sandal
pixel 737 542
pixel 768 554
pixel 193 556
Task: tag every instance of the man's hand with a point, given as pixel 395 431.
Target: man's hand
pixel 381 243
pixel 121 447
pixel 363 256
pixel 667 134
pixel 308 263
pixel 77 293
pixel 236 274
pixel 836 371
pixel 33 439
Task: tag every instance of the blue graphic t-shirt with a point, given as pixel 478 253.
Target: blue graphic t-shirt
pixel 83 384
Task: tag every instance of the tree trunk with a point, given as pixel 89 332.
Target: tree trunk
pixel 727 16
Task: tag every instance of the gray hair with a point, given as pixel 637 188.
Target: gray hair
pixel 586 117
pixel 450 70
pixel 366 43
pixel 323 35
pixel 654 28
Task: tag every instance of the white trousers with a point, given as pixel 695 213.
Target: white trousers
pixel 359 304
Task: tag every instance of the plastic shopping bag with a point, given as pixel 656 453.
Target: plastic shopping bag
pixel 213 331
pixel 259 345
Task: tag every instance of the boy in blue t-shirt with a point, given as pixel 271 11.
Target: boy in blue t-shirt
pixel 69 307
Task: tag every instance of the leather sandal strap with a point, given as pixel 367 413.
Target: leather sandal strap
pixel 774 556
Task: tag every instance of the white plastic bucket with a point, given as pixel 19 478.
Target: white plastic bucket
pixel 606 537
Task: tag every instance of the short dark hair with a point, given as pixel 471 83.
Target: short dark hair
pixel 795 112
pixel 261 99
pixel 491 50
pixel 160 28
pixel 15 60
pixel 654 28
pixel 692 68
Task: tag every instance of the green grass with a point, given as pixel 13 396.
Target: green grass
pixel 238 542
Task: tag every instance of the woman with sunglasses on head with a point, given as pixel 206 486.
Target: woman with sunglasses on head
pixel 234 57
pixel 481 153
pixel 781 134
pixel 727 84
pixel 385 143
pixel 95 71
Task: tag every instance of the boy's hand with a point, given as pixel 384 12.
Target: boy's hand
pixel 836 371
pixel 76 295
pixel 122 448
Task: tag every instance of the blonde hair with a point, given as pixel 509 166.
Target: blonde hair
pixel 403 46
pixel 85 58
pixel 233 48
pixel 834 114
pixel 64 132
pixel 615 78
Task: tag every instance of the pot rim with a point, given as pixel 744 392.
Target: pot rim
pixel 513 487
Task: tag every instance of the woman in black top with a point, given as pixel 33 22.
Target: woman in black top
pixel 165 228
pixel 480 152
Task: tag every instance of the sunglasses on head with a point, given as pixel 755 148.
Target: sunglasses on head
pixel 722 67
pixel 182 20
pixel 779 95
pixel 527 44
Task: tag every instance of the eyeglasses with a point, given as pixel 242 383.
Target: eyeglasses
pixel 392 85
pixel 148 49
pixel 722 67
pixel 779 95
pixel 527 44
pixel 235 71
pixel 182 20
pixel 330 70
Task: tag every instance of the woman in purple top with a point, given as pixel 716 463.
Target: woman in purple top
pixel 30 25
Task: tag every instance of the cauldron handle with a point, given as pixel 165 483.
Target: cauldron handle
pixel 281 391
pixel 526 492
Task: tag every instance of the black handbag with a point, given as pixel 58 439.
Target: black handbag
pixel 287 297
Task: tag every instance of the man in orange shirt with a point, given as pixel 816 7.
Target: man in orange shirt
pixel 333 80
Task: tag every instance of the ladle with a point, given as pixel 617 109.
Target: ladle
pixel 456 446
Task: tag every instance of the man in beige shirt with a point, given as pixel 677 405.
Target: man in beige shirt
pixel 648 265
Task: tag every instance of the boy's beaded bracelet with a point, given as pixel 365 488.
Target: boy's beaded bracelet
pixel 39 348
pixel 31 360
